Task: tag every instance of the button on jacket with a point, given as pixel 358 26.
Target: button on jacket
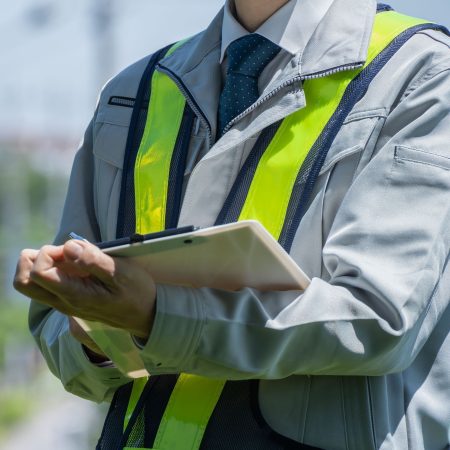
pixel 359 360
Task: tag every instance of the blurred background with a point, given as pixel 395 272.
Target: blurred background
pixel 54 57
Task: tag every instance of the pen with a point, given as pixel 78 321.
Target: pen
pixel 136 238
pixel 77 237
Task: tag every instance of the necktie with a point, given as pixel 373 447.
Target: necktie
pixel 247 58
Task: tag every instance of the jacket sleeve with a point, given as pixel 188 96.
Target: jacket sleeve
pixel 387 256
pixel 64 355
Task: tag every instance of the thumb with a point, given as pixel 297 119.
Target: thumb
pixel 90 259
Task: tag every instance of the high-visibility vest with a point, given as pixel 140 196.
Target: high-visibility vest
pixel 291 151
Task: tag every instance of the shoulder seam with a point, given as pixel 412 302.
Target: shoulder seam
pixel 118 76
pixel 429 75
pixel 427 33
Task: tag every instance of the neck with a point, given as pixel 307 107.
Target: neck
pixel 253 13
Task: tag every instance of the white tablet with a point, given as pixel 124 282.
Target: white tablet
pixel 232 256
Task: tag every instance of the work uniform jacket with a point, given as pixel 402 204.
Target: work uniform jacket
pixel 361 358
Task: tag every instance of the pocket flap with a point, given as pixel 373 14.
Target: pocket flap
pixel 115 114
pixel 352 138
pixel 339 156
pixel 421 157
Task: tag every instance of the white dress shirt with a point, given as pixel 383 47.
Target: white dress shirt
pixel 290 28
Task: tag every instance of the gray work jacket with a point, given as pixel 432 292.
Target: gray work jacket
pixel 361 359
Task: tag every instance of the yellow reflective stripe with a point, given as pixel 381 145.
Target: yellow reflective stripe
pixel 268 197
pixel 152 167
pixel 388 25
pixel 187 413
pixel 176 45
pixel 151 172
pixel 136 392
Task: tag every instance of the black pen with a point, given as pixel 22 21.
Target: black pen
pixel 136 238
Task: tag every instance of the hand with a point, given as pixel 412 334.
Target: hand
pixel 80 280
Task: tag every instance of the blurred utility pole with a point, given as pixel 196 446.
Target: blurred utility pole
pixel 103 40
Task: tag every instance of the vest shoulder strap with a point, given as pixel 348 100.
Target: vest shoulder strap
pixel 153 88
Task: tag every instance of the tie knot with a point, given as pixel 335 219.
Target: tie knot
pixel 249 55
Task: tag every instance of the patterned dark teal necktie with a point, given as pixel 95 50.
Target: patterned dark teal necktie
pixel 247 58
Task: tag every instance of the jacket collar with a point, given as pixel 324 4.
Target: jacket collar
pixel 342 38
pixel 340 41
pixel 196 65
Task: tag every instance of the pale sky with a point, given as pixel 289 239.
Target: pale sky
pixel 49 65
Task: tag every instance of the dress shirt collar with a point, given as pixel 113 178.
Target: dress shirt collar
pixel 290 27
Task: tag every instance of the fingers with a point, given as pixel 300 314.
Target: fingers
pixel 52 266
pixel 73 270
pixel 23 268
pixel 23 282
pixel 24 265
pixel 67 278
pixel 89 259
pixel 45 271
pixel 47 259
pixel 39 276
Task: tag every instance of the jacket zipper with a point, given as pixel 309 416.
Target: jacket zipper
pixel 326 73
pixel 260 101
pixel 200 116
pixel 192 103
pixel 288 83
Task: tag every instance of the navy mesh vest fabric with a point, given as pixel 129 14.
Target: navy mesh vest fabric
pixel 236 423
pixel 247 58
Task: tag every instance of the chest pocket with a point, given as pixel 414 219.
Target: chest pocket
pixel 110 138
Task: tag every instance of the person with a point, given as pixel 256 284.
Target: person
pixel 328 121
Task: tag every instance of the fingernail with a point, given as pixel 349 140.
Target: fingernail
pixel 73 249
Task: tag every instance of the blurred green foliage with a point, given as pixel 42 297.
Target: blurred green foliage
pixel 31 199
pixel 15 401
pixel 16 406
pixel 13 326
pixel 32 191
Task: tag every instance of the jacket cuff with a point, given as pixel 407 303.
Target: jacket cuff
pixel 177 327
pixel 92 356
pixel 84 378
